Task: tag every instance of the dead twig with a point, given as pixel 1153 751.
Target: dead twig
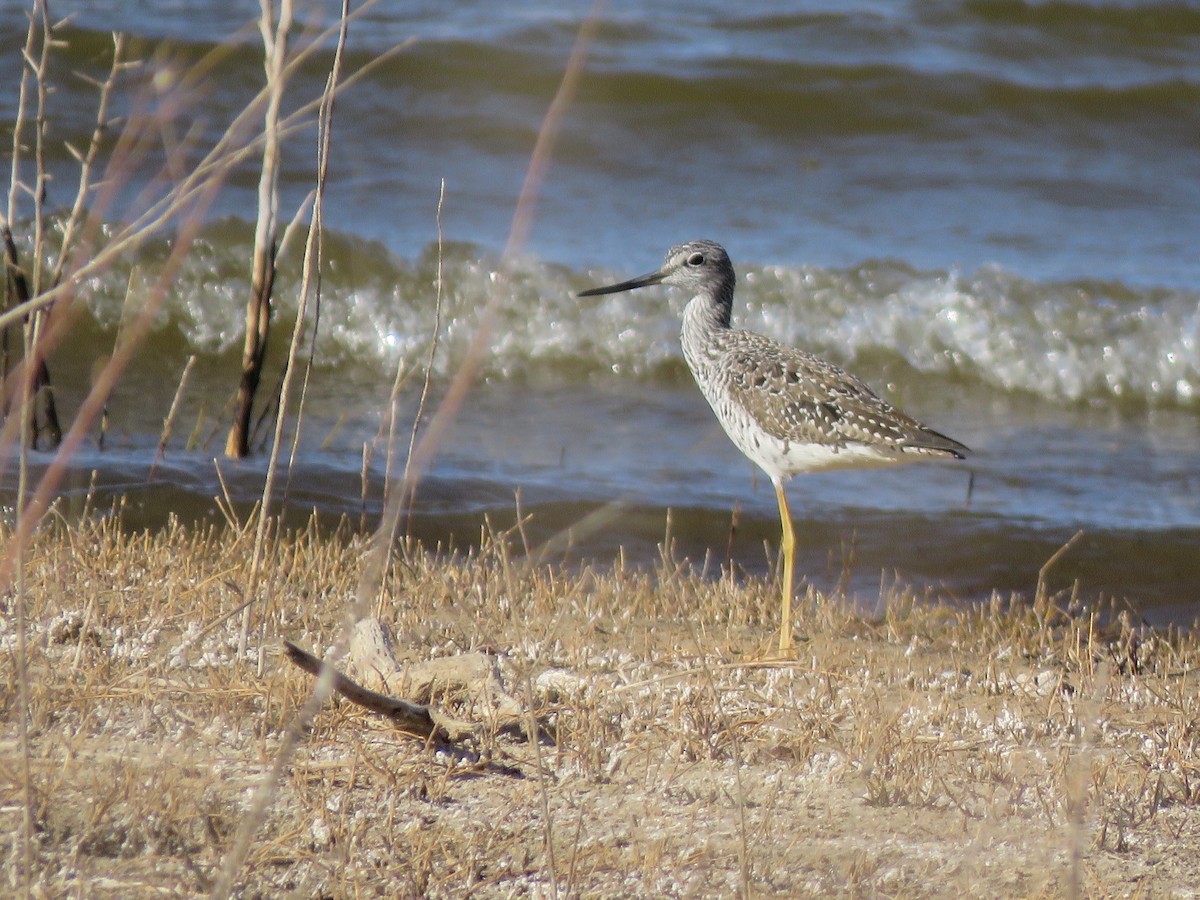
pixel 433 345
pixel 170 419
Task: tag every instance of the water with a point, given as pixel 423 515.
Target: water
pixel 988 210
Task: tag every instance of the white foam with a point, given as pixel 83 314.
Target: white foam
pixel 1065 342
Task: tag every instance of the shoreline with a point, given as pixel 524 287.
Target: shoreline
pixel 919 751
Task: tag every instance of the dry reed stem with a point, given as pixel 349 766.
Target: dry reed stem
pixel 386 535
pixel 310 286
pixel 310 355
pixel 38 15
pixel 169 421
pixel 1041 595
pixel 543 149
pixel 38 192
pixel 274 32
pixel 433 345
pixel 391 422
pixel 22 660
pixel 422 455
pixel 269 482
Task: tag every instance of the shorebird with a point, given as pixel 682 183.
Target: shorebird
pixel 787 410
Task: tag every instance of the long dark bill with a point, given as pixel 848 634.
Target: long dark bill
pixel 640 281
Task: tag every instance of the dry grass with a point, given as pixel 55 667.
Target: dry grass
pixel 917 751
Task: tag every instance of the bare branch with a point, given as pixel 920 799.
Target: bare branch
pixel 19 120
pixel 539 161
pixel 88 160
pixel 39 194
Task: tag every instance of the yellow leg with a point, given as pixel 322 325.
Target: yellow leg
pixel 787 547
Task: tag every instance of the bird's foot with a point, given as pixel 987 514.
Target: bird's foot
pixel 772 651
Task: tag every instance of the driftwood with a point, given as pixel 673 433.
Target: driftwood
pixel 471 680
pixel 412 718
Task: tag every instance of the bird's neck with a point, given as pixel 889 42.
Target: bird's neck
pixel 709 311
pixel 704 317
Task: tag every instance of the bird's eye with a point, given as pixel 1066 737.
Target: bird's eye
pixel 696 259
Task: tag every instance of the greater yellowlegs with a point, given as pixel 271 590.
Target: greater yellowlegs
pixel 787 410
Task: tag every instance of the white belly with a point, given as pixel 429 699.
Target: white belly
pixel 783 459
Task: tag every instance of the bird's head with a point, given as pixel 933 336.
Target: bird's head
pixel 696 266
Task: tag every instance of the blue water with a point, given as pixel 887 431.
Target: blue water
pixel 1057 140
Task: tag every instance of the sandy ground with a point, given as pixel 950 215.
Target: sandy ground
pixel 912 751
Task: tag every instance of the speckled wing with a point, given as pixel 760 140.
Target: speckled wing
pixel 800 398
